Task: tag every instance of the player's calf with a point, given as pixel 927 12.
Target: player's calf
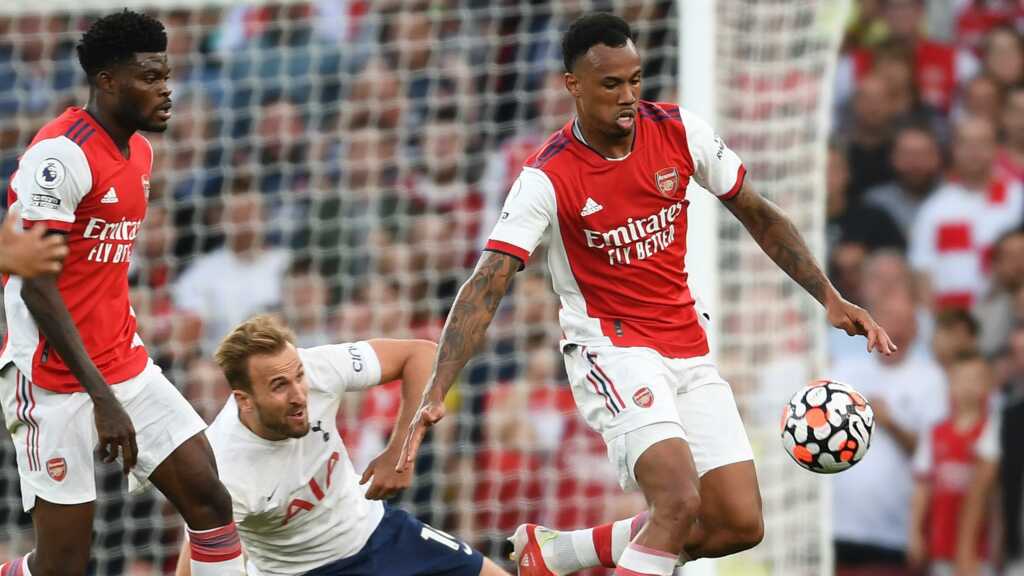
pixel 730 518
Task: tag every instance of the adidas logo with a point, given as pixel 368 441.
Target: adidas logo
pixel 590 207
pixel 110 197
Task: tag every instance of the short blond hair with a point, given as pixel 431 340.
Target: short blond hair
pixel 259 335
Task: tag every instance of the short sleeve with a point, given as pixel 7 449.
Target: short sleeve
pixel 987 447
pixel 52 178
pixel 715 166
pixel 336 368
pixel 528 211
pixel 922 463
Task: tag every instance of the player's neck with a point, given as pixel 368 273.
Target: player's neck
pixel 119 134
pixel 611 148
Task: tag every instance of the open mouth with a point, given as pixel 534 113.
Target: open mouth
pixel 164 111
pixel 297 416
pixel 626 119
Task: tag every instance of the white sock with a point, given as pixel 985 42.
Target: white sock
pixel 640 560
pixel 216 552
pixel 576 550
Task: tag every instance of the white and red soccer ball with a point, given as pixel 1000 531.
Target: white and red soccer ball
pixel 826 427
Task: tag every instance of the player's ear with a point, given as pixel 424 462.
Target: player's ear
pixel 572 84
pixel 243 399
pixel 104 81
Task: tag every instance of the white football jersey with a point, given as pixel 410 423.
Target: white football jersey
pixel 297 502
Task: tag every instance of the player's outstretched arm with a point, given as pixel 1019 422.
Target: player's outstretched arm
pixel 411 362
pixel 29 254
pixel 114 427
pixel 464 330
pixel 781 241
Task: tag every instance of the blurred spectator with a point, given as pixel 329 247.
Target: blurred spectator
pixel 894 63
pixel 232 283
pixel 956 334
pixel 1010 158
pixel 1012 465
pixel 205 387
pixel 871 137
pixel 943 462
pixel 1003 57
pixel 958 225
pixel 975 20
pixel 996 311
pixel 866 225
pixel 304 306
pixel 938 67
pixel 982 98
pixel 917 169
pixel 907 393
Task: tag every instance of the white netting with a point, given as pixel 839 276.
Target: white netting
pixel 775 61
pixel 378 139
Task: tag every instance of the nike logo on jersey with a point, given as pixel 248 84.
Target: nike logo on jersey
pixel 110 197
pixel 591 207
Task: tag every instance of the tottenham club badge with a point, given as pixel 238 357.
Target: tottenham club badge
pixel 667 180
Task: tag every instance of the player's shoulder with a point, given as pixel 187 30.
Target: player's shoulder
pixel 347 360
pixel 659 111
pixel 553 147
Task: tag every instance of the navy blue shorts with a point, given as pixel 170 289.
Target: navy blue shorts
pixel 403 546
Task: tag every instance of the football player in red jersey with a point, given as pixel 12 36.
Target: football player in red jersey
pixel 610 187
pixel 74 373
pixel 29 255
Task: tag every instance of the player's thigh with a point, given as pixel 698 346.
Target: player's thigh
pixel 63 537
pixel 54 437
pixel 621 392
pixel 664 470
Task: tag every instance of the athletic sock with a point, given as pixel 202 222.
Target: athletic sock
pixel 638 560
pixel 216 552
pixel 575 550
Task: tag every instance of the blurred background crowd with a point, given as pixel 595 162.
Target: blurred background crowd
pixel 340 162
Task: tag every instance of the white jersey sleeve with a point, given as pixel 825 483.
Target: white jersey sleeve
pixel 715 166
pixel 336 368
pixel 52 178
pixel 987 448
pixel 528 212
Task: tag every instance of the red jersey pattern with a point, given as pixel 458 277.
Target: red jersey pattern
pixel 618 228
pixel 947 461
pixel 74 178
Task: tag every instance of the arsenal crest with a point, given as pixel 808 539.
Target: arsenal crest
pixel 667 181
pixel 643 397
pixel 57 468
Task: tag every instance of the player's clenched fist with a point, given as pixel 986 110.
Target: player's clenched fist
pixel 29 254
pixel 116 432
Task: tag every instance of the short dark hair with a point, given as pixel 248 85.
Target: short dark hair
pixel 957 317
pixel 115 38
pixel 590 30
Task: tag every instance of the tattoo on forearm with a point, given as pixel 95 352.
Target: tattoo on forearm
pixel 781 241
pixel 471 314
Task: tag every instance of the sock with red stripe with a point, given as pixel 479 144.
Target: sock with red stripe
pixel 576 550
pixel 16 567
pixel 216 552
pixel 639 560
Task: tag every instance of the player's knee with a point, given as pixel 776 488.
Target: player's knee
pixel 677 510
pixel 748 532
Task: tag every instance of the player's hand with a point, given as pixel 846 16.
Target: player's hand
pixel 29 254
pixel 116 432
pixel 854 320
pixel 430 413
pixel 387 480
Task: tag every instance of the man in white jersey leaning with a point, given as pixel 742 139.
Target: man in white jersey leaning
pixel 297 500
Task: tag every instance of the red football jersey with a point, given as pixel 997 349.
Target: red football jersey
pixel 74 179
pixel 618 228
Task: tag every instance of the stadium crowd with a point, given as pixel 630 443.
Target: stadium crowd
pixel 340 162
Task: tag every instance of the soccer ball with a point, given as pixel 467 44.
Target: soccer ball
pixel 826 427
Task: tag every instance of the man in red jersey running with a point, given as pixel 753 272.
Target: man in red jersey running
pixel 73 371
pixel 611 188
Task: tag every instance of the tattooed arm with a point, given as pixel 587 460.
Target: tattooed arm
pixel 780 240
pixel 464 330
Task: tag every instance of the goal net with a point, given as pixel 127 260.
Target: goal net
pixel 340 162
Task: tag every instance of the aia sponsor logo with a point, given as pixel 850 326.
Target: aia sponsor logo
pixel 57 468
pixel 667 180
pixel 643 397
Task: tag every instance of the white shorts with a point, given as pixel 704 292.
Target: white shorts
pixel 635 397
pixel 55 434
